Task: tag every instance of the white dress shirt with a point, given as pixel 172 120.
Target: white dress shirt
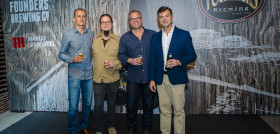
pixel 166 39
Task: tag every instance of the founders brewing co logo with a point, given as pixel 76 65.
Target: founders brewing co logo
pixel 230 11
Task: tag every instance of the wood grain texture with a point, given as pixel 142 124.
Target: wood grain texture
pixel 237 69
pixel 25 66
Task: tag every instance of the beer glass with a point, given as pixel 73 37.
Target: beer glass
pixel 141 58
pixel 81 55
pixel 105 62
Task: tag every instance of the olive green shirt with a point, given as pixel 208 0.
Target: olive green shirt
pixel 100 54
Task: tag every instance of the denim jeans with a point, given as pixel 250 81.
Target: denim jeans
pixel 134 90
pixel 100 90
pixel 74 87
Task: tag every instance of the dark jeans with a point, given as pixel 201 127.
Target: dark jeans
pixel 100 90
pixel 134 90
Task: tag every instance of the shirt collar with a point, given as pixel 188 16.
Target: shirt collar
pixel 171 31
pixel 76 31
pixel 143 28
pixel 112 35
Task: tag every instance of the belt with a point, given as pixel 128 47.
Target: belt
pixel 165 72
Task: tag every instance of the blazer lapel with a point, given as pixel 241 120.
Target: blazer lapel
pixel 160 44
pixel 173 40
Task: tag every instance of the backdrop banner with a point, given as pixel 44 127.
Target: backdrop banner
pixel 238 62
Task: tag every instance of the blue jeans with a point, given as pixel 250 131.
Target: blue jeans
pixel 74 87
pixel 100 90
pixel 134 90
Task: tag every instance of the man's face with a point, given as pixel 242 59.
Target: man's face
pixel 80 18
pixel 165 19
pixel 106 23
pixel 135 20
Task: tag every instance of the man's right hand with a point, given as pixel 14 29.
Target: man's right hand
pixel 152 86
pixel 135 61
pixel 77 59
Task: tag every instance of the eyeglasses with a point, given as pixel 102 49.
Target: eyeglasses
pixel 105 22
pixel 133 19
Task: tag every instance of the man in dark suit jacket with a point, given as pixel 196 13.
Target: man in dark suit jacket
pixel 170 81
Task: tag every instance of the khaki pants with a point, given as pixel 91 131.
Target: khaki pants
pixel 171 96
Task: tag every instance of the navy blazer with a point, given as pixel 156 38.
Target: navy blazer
pixel 181 48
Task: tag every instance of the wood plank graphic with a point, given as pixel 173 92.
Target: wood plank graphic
pixel 237 69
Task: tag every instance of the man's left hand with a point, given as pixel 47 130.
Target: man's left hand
pixel 173 62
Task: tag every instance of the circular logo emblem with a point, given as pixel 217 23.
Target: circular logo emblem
pixel 230 11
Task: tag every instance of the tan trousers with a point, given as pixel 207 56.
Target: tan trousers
pixel 171 96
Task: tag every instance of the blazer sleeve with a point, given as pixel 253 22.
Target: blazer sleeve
pixel 190 54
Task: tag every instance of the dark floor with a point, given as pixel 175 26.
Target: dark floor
pixel 56 123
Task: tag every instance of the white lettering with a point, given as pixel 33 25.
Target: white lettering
pixel 16 18
pixel 31 6
pixel 33 18
pixel 16 6
pixel 41 2
pixel 12 18
pixel 45 16
pixel 25 17
pixel 37 38
pixel 36 5
pixel 11 7
pixel 22 11
pixel 20 18
pixel 25 5
pixel 38 18
pixel 29 38
pixel 46 7
pixel 20 6
pixel 42 44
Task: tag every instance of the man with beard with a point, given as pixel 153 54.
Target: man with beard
pixel 106 77
pixel 75 50
pixel 171 75
pixel 134 53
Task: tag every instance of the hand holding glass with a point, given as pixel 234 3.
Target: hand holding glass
pixel 141 58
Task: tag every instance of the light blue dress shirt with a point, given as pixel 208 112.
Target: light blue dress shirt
pixel 73 43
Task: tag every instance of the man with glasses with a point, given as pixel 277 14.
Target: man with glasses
pixel 134 54
pixel 105 47
pixel 76 51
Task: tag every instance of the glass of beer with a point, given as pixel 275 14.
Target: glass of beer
pixel 105 62
pixel 81 55
pixel 141 58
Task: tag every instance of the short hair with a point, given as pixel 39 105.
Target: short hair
pixel 163 9
pixel 133 11
pixel 79 9
pixel 107 16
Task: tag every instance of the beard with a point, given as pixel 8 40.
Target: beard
pixel 106 33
